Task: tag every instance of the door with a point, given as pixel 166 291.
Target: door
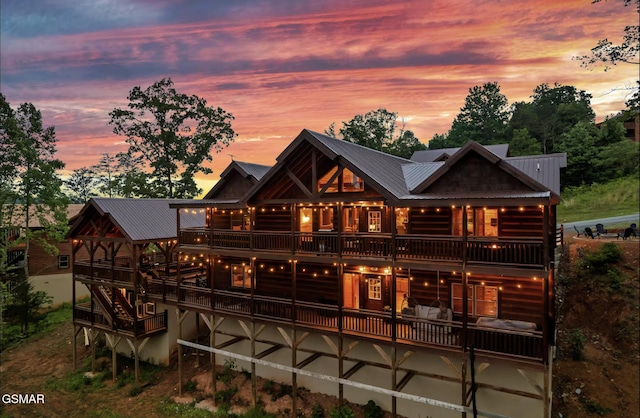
pixel 402 290
pixel 351 290
pixel 373 292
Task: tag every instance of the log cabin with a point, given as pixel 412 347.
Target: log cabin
pixel 432 277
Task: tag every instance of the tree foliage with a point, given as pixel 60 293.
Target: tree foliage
pixel 33 188
pixel 172 134
pixel 608 53
pixel 482 119
pixel 378 129
pixel 552 112
pixel 81 185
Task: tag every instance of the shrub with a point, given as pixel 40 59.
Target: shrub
pixel 599 261
pixel 227 373
pixel 342 411
pixel 135 391
pixel 224 396
pixel 190 386
pixel 317 411
pixel 576 344
pixel 372 410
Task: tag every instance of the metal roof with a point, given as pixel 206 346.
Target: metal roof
pixel 384 169
pixel 34 221
pixel 255 170
pixel 147 219
pixel 414 174
pixel 427 156
pixel 545 169
pixel 473 195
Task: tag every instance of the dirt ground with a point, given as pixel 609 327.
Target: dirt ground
pixel 40 365
pixel 605 383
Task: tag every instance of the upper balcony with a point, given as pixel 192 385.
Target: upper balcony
pixel 521 252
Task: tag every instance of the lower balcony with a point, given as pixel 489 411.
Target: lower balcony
pixel 526 345
pixel 131 327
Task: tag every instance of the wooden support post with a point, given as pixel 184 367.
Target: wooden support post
pixel 136 354
pixel 463 384
pixel 93 350
pixel 181 317
pixel 294 375
pixel 340 370
pixel 394 380
pixel 212 357
pixel 197 336
pixel 254 378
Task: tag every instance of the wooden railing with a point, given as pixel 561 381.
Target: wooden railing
pixel 429 247
pixel 150 324
pixel 376 324
pixel 195 236
pixel 513 251
pixel 500 250
pixel 103 270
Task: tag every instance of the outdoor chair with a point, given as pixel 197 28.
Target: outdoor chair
pixel 600 229
pixel 588 232
pixel 633 228
pixel 628 232
pixel 577 231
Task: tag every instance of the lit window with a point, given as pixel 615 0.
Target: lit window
pixel 350 181
pixel 481 300
pixel 375 221
pixel 326 218
pixel 375 289
pixel 241 276
pixel 63 261
pixel 480 222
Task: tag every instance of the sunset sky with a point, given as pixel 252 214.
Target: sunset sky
pixel 283 65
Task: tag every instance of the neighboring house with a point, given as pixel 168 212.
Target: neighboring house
pixel 631 123
pixel 40 261
pixel 333 262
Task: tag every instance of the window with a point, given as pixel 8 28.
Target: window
pixel 482 300
pixel 63 261
pixel 375 288
pixel 306 220
pixel 482 222
pixel 150 308
pixel 241 276
pixel 375 221
pixel 350 181
pixel 350 220
pixel 326 219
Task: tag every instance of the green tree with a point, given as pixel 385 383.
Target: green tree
pixel 104 174
pixel 81 185
pixel 552 112
pixel 523 144
pixel 377 130
pixel 173 134
pixel 608 53
pixel 30 188
pixel 483 118
pixel 580 145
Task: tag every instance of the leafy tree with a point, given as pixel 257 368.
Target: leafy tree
pixel 608 53
pixel 81 185
pixel 580 145
pixel 104 173
pixel 30 187
pixel 377 130
pixel 483 118
pixel 173 134
pixel 440 141
pixel 523 144
pixel 552 112
pixel 617 160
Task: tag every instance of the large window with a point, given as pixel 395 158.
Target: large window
pixel 326 219
pixel 482 222
pixel 482 300
pixel 350 182
pixel 241 276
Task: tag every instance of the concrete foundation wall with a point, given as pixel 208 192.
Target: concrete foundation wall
pixel 59 286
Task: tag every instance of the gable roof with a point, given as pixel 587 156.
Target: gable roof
pixel 545 169
pixel 254 172
pixel 34 221
pixel 383 172
pixel 428 156
pixel 503 164
pixel 142 219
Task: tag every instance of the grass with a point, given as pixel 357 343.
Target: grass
pixel 615 198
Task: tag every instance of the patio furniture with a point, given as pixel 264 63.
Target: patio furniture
pixel 588 232
pixel 600 229
pixel 577 231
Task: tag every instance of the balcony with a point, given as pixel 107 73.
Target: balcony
pixel 118 274
pixel 141 327
pixel 527 346
pixel 521 252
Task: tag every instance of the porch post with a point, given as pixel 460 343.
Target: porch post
pixel 545 282
pixel 465 280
